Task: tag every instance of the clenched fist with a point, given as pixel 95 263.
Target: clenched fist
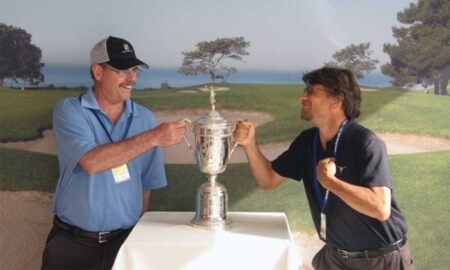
pixel 326 169
pixel 171 133
pixel 244 133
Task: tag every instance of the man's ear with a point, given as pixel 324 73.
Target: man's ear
pixel 338 101
pixel 97 71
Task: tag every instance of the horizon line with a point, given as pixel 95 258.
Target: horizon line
pixel 300 70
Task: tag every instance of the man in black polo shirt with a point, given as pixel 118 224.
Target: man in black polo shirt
pixel 345 171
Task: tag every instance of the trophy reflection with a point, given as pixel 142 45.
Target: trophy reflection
pixel 212 150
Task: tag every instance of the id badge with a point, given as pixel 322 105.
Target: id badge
pixel 323 226
pixel 120 173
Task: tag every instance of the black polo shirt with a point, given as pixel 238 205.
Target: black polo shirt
pixel 363 157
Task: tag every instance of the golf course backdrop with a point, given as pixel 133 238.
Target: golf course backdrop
pixel 421 181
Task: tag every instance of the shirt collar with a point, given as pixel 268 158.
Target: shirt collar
pixel 330 144
pixel 89 101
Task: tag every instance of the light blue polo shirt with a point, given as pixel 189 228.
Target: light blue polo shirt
pixel 96 202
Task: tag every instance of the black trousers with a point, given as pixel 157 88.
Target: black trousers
pixel 64 250
pixel 328 259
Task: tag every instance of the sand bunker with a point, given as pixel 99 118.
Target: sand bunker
pixel 180 154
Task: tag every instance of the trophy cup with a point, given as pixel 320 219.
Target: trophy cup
pixel 212 151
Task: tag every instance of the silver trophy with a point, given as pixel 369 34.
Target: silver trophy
pixel 212 151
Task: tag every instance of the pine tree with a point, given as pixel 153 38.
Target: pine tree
pixel 422 52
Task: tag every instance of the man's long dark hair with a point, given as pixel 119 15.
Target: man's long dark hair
pixel 340 83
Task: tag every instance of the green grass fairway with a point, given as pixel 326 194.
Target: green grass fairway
pixel 24 113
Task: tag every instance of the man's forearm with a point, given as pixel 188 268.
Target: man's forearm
pixel 374 201
pixel 261 168
pixel 111 155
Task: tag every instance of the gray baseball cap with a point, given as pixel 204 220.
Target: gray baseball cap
pixel 116 52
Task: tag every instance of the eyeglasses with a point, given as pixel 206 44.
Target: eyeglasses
pixel 308 90
pixel 124 72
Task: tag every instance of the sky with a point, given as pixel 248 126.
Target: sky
pixel 283 34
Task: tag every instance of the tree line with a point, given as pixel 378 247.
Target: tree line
pixel 420 56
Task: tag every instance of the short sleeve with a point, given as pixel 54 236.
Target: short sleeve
pixel 372 162
pixel 290 163
pixel 73 135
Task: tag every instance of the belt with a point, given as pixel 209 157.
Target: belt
pixel 100 237
pixel 371 253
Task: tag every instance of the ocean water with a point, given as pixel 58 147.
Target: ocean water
pixel 70 75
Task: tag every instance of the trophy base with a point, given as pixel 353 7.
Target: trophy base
pixel 212 224
pixel 212 206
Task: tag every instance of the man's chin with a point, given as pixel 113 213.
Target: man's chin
pixel 126 93
pixel 305 116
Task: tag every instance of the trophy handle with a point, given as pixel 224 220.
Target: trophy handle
pixel 189 123
pixel 235 143
pixel 232 150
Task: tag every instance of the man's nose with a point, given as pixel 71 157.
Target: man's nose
pixel 132 75
pixel 302 96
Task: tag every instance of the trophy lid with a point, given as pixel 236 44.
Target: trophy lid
pixel 213 119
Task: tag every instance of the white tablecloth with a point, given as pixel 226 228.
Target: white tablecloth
pixel 167 240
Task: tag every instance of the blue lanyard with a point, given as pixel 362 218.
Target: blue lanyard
pixel 130 119
pixel 323 203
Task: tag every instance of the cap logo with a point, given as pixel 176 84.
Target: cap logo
pixel 126 48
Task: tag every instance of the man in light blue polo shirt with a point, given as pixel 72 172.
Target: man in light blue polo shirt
pixel 110 158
